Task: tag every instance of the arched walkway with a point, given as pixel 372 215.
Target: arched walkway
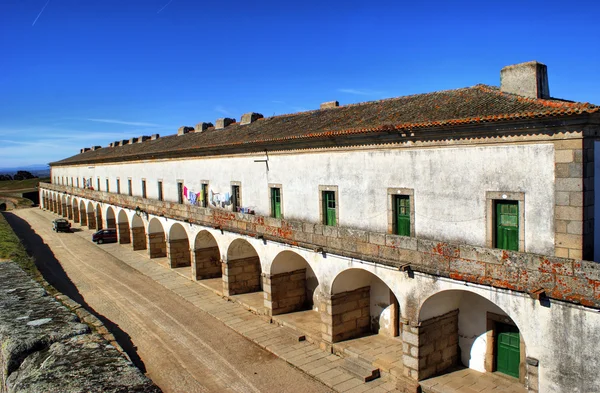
pixel 242 273
pixel 91 216
pixel 464 328
pixel 75 204
pixel 58 205
pixel 157 242
pixel 63 206
pixel 292 284
pixel 99 216
pixel 83 213
pixel 179 247
pixel 138 233
pixel 69 208
pixel 206 258
pixel 123 230
pixel 111 221
pixel 360 304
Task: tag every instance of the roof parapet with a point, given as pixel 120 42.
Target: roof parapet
pixel 250 117
pixel 223 122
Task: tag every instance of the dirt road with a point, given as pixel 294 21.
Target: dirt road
pixel 180 347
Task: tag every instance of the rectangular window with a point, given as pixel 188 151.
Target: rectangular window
pixel 72 184
pixel 98 183
pixel 107 187
pixel 160 190
pixel 401 215
pixel 506 222
pixel 329 208
pixel 143 188
pixel 77 182
pixel 179 192
pixel 118 186
pixel 129 188
pixel 204 195
pixel 275 202
pixel 235 198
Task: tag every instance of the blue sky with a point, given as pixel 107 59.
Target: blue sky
pixel 77 73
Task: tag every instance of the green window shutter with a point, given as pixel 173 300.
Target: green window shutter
pixel 401 215
pixel 329 208
pixel 276 202
pixel 508 350
pixel 507 225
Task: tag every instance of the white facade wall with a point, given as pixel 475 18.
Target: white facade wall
pixel 449 184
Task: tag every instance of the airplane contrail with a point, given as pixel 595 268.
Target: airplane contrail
pixel 43 8
pixel 164 6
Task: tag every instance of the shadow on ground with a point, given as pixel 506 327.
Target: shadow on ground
pixel 52 271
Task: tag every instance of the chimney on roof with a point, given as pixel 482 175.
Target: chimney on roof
pixel 96 147
pixel 250 117
pixel 111 144
pixel 202 126
pixel 133 140
pixel 184 130
pixel 330 104
pixel 143 138
pixel 223 122
pixel 525 79
pixel 116 143
pixel 84 150
pixel 124 142
pixel 154 137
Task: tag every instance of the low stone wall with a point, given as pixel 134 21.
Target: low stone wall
pixel 157 245
pixel 69 212
pixel 207 262
pixel 431 348
pixel 84 216
pixel 138 238
pixel 91 220
pixel 242 276
pixel 111 223
pixel 45 348
pixel 346 315
pixel 285 292
pixel 124 233
pixel 75 214
pixel 179 253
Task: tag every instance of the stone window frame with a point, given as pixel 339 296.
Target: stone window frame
pixel 410 192
pixel 276 185
pixel 97 182
pixel 160 190
pixel 490 215
pixel 144 185
pixel 180 198
pixel 205 202
pixel 118 184
pixel 491 348
pixel 241 198
pixel 107 185
pixel 335 190
pixel 129 186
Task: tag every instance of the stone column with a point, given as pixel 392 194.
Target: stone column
pixel 206 263
pixel 75 214
pixel 242 276
pixel 138 238
pixel 285 292
pixel 69 212
pixel 179 253
pixel 91 220
pixel 64 209
pixel 124 234
pixel 157 245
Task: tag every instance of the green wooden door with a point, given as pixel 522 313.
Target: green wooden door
pixel 507 225
pixel 508 349
pixel 276 202
pixel 329 208
pixel 402 215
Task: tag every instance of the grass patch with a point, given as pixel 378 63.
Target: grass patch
pixel 7 185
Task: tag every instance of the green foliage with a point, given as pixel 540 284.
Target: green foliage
pixel 8 185
pixel 11 249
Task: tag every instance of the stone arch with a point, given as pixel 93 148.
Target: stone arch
pixel 75 203
pixel 69 208
pixel 361 303
pixel 123 231
pixel 99 219
pixel 82 213
pixel 62 205
pixel 111 221
pixel 291 285
pixel 157 242
pixel 206 258
pixel 138 233
pixel 91 216
pixel 179 247
pixel 242 273
pixel 470 326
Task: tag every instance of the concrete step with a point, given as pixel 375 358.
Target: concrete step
pixel 361 369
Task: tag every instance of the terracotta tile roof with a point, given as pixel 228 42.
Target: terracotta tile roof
pixel 477 104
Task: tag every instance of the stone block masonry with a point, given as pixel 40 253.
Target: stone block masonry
pixel 138 237
pixel 91 220
pixel 64 210
pixel 242 276
pixel 111 223
pixel 207 262
pixel 346 315
pixel 124 233
pixel 83 216
pixel 157 245
pixel 69 212
pixel 287 291
pixel 75 214
pixel 179 253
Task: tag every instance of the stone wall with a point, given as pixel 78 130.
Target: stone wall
pixel 99 220
pixel 123 233
pixel 69 212
pixel 207 262
pixel 91 220
pixel 157 245
pixel 346 315
pixel 75 214
pixel 285 292
pixel 138 238
pixel 83 217
pixel 242 276
pixel 64 209
pixel 111 223
pixel 179 253
pixel 432 347
pixel 44 347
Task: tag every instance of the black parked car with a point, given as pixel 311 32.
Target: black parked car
pixel 105 236
pixel 61 225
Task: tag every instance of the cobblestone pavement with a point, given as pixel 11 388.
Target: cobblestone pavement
pixel 471 381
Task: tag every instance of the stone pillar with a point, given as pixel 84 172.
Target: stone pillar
pixel 206 262
pixel 346 315
pixel 123 232
pixel 179 253
pixel 157 245
pixel 75 214
pixel 83 218
pixel 111 223
pixel 69 212
pixel 63 209
pixel 242 276
pixel 138 238
pixel 91 220
pixel 99 221
pixel 285 292
pixel 431 346
pixel 58 208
